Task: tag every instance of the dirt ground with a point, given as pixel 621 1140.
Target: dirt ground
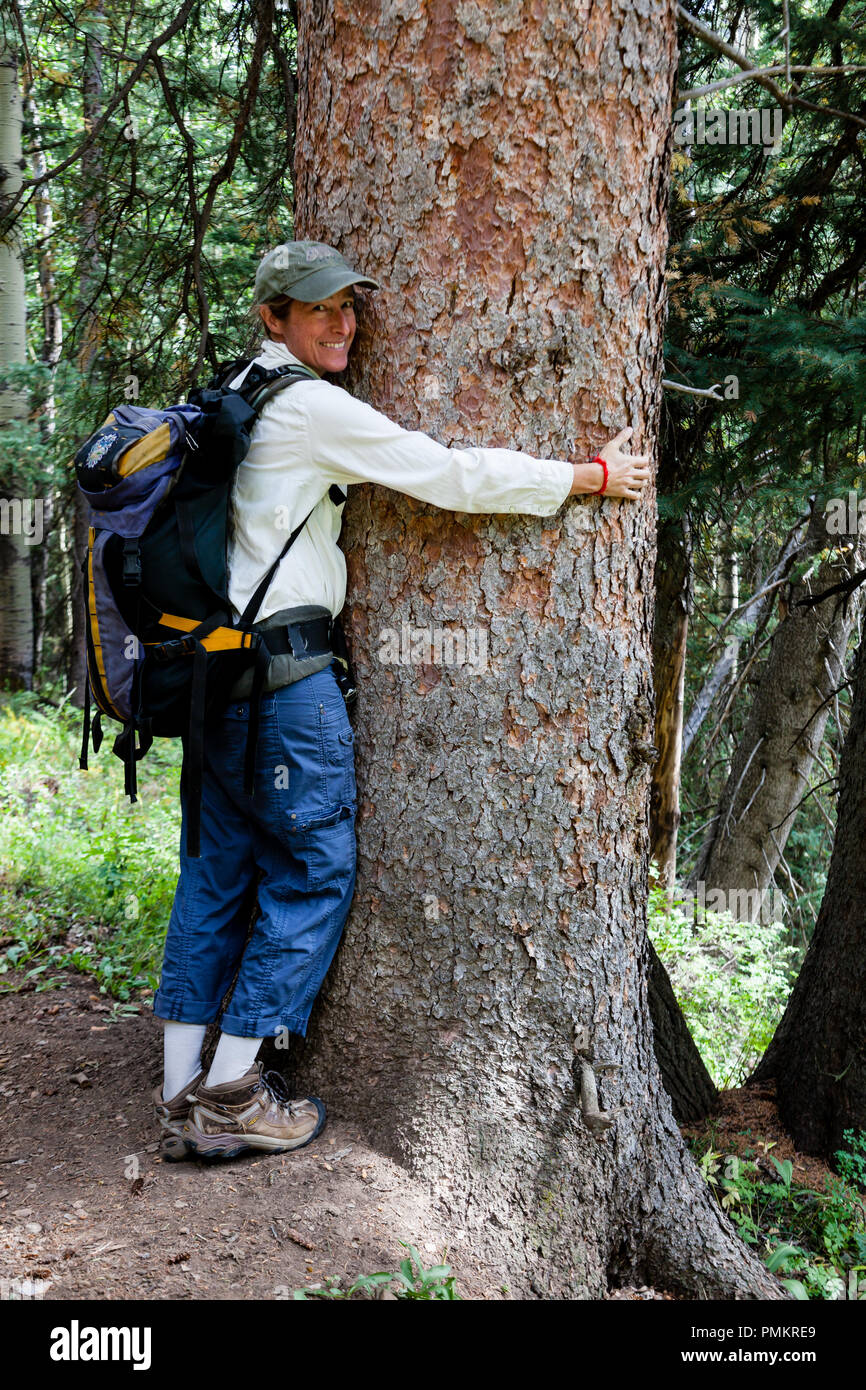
pixel 749 1115
pixel 88 1210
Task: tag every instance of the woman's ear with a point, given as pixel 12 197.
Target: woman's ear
pixel 271 324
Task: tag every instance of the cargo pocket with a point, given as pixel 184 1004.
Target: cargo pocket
pixel 325 843
pixel 338 754
pixel 347 743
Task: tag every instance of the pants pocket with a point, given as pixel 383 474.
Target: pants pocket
pixel 325 843
pixel 347 745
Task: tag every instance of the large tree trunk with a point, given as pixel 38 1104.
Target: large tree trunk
pixel 18 512
pixel 770 770
pixel 818 1053
pixel 502 172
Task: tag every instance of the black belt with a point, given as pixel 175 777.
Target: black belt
pixel 305 639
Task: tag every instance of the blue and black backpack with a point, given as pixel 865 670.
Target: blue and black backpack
pixel 163 651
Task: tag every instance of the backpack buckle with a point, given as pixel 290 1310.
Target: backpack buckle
pixel 178 646
pixel 131 564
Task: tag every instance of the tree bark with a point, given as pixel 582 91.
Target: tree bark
pixel 818 1053
pixel 16 605
pixel 771 767
pixel 688 1083
pixel 502 171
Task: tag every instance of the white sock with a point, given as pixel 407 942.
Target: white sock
pixel 181 1044
pixel 232 1059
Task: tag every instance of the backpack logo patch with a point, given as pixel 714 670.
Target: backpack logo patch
pixel 98 450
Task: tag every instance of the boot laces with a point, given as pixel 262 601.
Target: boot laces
pixel 275 1085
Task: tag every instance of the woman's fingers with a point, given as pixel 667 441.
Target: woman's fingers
pixel 628 473
pixel 631 458
pixel 622 436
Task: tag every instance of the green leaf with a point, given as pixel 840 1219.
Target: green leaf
pixel 779 1255
pixel 797 1289
pixel 784 1168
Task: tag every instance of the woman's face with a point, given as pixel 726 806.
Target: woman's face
pixel 321 334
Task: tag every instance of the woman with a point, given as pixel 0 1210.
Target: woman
pixel 297 833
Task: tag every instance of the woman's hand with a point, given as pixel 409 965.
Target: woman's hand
pixel 627 474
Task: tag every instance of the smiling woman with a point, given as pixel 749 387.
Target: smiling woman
pixel 318 334
pixel 293 840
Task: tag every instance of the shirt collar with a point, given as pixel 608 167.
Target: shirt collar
pixel 276 354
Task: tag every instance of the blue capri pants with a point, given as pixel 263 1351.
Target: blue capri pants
pixel 298 834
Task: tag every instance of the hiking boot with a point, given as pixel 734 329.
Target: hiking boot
pixel 254 1112
pixel 172 1116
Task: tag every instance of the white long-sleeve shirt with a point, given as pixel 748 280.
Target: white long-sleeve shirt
pixel 314 434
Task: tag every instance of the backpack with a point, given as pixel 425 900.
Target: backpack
pixel 163 651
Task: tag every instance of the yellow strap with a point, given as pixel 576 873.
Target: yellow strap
pixel 153 447
pixel 222 639
pixel 182 624
pixel 94 627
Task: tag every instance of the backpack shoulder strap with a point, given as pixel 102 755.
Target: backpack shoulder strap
pixel 277 379
pixel 262 391
pixel 267 387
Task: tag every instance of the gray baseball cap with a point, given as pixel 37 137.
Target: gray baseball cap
pixel 305 270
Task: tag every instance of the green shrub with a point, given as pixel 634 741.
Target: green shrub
pixel 731 979
pixel 87 879
pixel 410 1281
pixel 817 1240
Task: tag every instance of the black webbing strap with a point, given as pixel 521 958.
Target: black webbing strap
pixel 85 733
pixel 126 749
pixel 194 761
pixel 259 398
pixel 249 614
pixel 260 671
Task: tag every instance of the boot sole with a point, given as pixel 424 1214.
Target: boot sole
pixel 172 1149
pixel 214 1147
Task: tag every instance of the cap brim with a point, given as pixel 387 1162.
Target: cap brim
pixel 323 283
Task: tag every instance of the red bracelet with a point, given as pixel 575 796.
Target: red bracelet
pixel 603 488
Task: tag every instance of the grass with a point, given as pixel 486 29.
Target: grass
pixel 87 879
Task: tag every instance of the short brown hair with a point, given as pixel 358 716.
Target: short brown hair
pixel 279 307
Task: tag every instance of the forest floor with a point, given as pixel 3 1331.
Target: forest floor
pixel 89 1211
pixel 747 1120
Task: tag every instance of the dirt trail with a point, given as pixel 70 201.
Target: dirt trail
pixel 88 1210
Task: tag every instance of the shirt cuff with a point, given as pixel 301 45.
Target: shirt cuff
pixel 555 481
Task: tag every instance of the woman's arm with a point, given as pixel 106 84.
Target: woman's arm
pixel 627 474
pixel 350 442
